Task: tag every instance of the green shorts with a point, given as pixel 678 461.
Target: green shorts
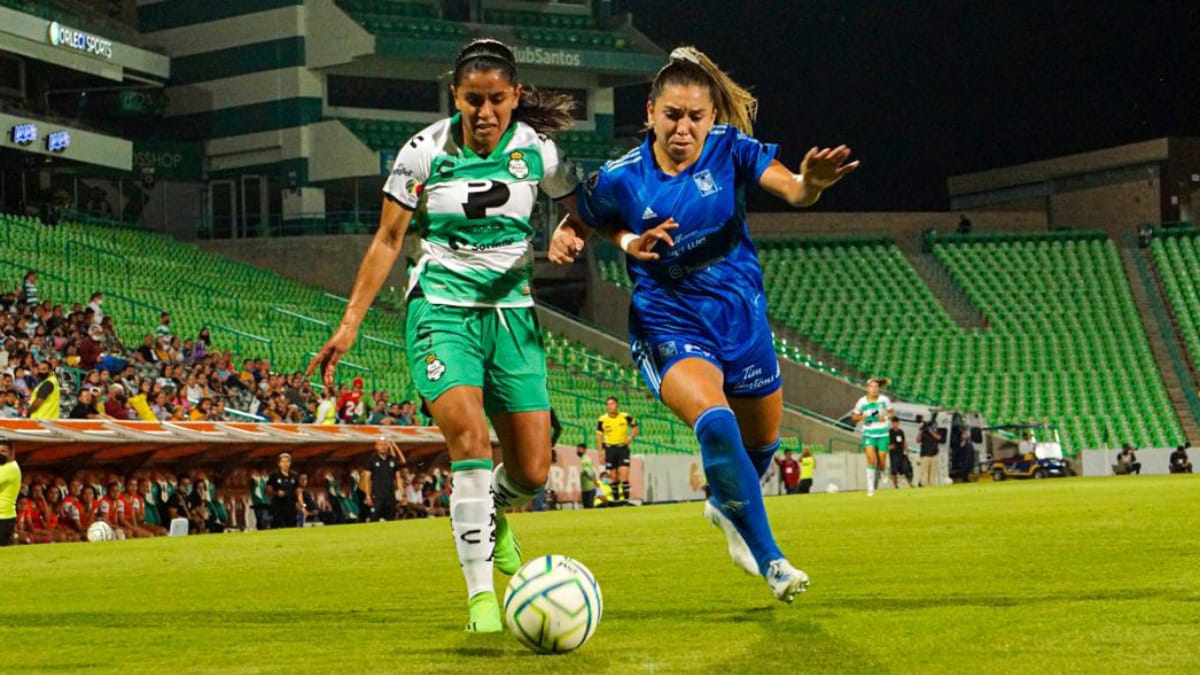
pixel 498 350
pixel 880 444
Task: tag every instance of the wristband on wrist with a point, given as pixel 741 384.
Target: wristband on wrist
pixel 627 239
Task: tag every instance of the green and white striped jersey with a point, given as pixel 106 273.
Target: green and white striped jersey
pixel 473 213
pixel 875 424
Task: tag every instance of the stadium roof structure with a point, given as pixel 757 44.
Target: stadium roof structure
pixel 107 441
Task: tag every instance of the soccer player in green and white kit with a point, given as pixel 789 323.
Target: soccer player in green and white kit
pixel 875 411
pixel 469 183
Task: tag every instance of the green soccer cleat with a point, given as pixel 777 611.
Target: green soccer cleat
pixel 507 555
pixel 485 613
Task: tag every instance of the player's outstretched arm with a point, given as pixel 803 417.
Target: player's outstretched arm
pixel 376 264
pixel 819 170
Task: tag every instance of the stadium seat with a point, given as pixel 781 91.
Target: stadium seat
pixel 1059 313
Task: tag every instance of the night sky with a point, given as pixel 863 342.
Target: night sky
pixel 926 89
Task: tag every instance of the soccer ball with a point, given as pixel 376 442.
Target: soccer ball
pixel 100 531
pixel 832 488
pixel 553 604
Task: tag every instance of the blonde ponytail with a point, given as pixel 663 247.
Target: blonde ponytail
pixel 734 104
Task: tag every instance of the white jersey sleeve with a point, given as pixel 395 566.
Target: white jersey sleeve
pixel 858 405
pixel 558 172
pixel 410 170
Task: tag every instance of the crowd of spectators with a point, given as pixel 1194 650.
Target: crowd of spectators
pixel 164 376
pixel 54 507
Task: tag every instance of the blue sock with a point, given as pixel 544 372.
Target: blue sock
pixel 733 483
pixel 762 457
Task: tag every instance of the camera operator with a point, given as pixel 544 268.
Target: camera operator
pixel 928 437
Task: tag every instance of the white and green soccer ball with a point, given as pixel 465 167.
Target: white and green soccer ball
pixel 553 604
pixel 100 531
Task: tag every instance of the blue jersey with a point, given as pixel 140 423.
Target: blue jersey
pixel 704 296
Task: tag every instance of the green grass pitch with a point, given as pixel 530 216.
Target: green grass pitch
pixel 1077 575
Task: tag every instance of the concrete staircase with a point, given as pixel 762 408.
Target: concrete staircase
pixel 935 275
pixel 1165 345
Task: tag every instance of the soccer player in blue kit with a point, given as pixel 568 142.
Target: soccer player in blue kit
pixel 698 326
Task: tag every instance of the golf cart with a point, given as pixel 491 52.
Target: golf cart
pixel 1033 458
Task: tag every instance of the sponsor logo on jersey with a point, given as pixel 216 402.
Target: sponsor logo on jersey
pixel 434 368
pixel 517 166
pixel 649 214
pixel 706 183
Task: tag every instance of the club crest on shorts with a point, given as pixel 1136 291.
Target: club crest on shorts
pixel 517 166
pixel 434 368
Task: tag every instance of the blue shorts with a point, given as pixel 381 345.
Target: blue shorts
pixel 750 372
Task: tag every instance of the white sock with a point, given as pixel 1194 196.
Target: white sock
pixel 870 480
pixel 508 493
pixel 473 521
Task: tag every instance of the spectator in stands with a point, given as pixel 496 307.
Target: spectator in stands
pixel 789 470
pixel 350 404
pixel 164 326
pixel 29 290
pixel 44 403
pixel 9 408
pixel 1127 463
pixel 379 412
pixel 96 304
pixel 85 406
pixel 286 500
pixel 587 477
pixel 1179 461
pixel 203 411
pixel 115 403
pixel 407 414
pixel 380 479
pixel 327 410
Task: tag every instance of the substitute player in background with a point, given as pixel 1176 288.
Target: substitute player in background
pixel 474 344
pixel 698 325
pixel 874 411
pixel 10 487
pixel 615 431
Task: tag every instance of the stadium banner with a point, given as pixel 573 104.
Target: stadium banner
pixel 673 478
pixel 170 160
pixel 626 63
pixel 54 40
pixel 563 479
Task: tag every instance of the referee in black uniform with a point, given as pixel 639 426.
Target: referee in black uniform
pixel 379 481
pixel 286 499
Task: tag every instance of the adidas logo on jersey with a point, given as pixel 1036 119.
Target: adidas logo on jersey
pixel 649 214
